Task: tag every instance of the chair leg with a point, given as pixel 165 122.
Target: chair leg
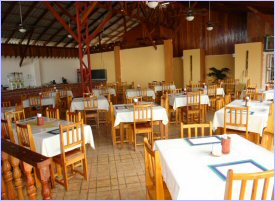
pixel 65 178
pixel 52 174
pixel 85 168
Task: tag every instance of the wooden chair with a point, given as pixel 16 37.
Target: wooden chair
pixel 73 150
pixel 196 128
pixel 244 178
pixel 267 140
pixel 143 122
pixel 227 99
pixel 230 85
pixel 88 94
pixel 18 106
pixel 25 139
pixel 143 92
pixel 6 131
pixel 131 99
pixel 52 113
pixel 35 105
pixel 212 94
pixel 238 117
pixel 116 139
pixel 46 94
pixel 193 107
pixel 91 110
pixel 6 104
pixel 156 189
pixel 250 92
pixel 15 116
pixel 73 116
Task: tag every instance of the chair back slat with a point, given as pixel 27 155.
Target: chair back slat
pixel 73 116
pixel 6 103
pixel 15 116
pixel 52 113
pixel 35 101
pixel 25 136
pixel 6 131
pixel 259 185
pixel 195 129
pixel 142 113
pixel 90 103
pixel 131 99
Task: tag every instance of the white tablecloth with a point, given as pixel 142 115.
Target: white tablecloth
pixel 48 144
pixel 77 104
pixel 187 174
pixel 159 87
pixel 112 91
pixel 6 109
pixel 180 100
pixel 257 119
pixel 126 114
pixel 136 92
pixel 268 95
pixel 45 101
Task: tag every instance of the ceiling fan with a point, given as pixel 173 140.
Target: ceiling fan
pixel 21 27
pixel 155 4
pixel 210 24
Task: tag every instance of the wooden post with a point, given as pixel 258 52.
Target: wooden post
pixel 43 174
pixel 117 63
pixel 168 59
pixel 30 181
pixel 6 168
pixel 17 177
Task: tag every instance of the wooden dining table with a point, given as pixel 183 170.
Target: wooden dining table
pixel 124 113
pixel 47 137
pixel 258 116
pixel 191 172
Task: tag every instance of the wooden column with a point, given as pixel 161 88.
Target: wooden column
pixel 168 59
pixel 202 62
pixel 117 63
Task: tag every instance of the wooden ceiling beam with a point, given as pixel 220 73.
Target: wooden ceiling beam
pixel 99 28
pixel 25 15
pixel 88 12
pixel 111 38
pixel 50 25
pixel 9 10
pixel 269 20
pixel 34 24
pixel 60 19
pixel 90 25
pixel 65 12
pixel 25 49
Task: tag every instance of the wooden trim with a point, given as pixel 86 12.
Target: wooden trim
pixel 117 63
pixel 168 59
pixel 202 65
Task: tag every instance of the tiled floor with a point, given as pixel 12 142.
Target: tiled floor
pixel 114 172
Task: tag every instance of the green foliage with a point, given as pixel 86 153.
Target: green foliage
pixel 218 74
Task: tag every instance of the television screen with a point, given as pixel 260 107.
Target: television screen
pixel 99 74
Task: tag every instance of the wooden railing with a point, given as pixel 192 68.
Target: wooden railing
pixel 13 186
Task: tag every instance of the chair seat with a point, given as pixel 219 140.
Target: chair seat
pixel 143 127
pixel 71 157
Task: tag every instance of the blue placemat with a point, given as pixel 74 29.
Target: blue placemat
pixel 223 176
pixel 54 132
pixel 189 140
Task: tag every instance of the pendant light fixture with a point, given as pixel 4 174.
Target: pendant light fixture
pixel 190 17
pixel 69 35
pixel 210 25
pixel 152 4
pixel 21 27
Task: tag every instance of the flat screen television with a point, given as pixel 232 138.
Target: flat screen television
pixel 99 74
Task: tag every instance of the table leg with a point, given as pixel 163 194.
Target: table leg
pixel 121 127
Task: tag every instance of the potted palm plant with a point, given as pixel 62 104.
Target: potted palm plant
pixel 218 74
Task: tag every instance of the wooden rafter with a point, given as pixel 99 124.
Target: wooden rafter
pixel 65 12
pixel 120 32
pixel 90 25
pixel 60 19
pixel 264 17
pixel 50 25
pixel 99 28
pixel 9 10
pixel 34 24
pixel 25 48
pixel 25 15
pixel 87 12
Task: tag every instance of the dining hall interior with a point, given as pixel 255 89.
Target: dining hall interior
pixel 137 100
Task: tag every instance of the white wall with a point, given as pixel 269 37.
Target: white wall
pixel 37 71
